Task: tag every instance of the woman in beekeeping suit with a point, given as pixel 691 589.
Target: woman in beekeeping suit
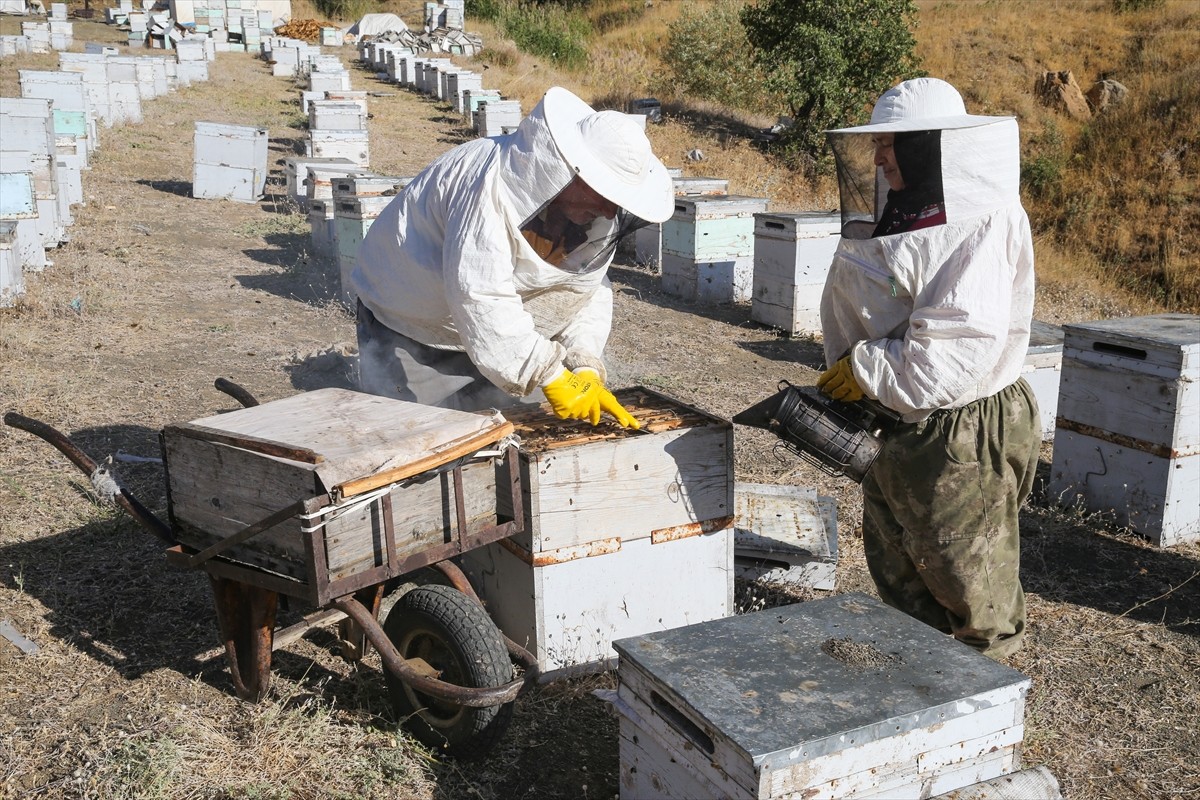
pixel 484 283
pixel 927 309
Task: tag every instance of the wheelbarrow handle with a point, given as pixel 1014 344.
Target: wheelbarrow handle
pixel 144 516
pixel 238 393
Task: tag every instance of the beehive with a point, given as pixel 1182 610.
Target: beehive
pixel 785 535
pixel 230 162
pixel 624 532
pixel 708 248
pixel 352 218
pixel 497 117
pixel 792 254
pixel 1128 428
pixel 841 697
pixel 351 145
pixel 340 481
pixel 647 242
pixel 336 115
pixel 295 172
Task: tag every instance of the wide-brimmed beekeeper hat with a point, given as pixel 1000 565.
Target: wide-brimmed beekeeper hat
pixel 920 104
pixel 609 151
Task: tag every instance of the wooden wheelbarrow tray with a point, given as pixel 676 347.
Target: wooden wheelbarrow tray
pixel 373 489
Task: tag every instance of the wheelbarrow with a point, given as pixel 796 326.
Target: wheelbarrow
pixel 350 529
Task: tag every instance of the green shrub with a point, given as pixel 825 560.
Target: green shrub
pixel 707 56
pixel 552 31
pixel 1127 6
pixel 829 60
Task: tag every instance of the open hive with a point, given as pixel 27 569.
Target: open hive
pixel 625 531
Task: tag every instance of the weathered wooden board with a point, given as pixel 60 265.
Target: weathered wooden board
pixel 228 472
pixel 785 535
pixel 582 484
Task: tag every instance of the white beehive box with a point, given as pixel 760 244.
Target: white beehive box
pixel 18 210
pixel 95 82
pixel 230 162
pixel 65 89
pixel 336 115
pixel 351 145
pixel 352 218
pixel 625 532
pixel 841 697
pixel 320 222
pixel 785 535
pixel 647 239
pixel 124 91
pixel 295 171
pixel 1042 370
pixel 1128 435
pixel 497 117
pixel 459 83
pixel 474 98
pixel 708 248
pixel 321 175
pixel 329 81
pixel 792 254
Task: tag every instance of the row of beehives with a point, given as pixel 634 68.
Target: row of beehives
pixel 439 78
pixel 50 131
pixel 56 33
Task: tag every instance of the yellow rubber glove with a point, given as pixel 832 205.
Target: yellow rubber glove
pixel 575 395
pixel 609 403
pixel 839 382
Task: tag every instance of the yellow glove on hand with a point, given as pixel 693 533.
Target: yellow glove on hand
pixel 609 403
pixel 839 382
pixel 575 395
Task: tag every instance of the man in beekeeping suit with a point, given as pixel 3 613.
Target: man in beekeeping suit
pixel 927 309
pixel 484 283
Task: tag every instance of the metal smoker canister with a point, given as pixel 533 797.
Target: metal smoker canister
pixel 816 431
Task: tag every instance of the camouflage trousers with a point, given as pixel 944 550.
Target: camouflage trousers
pixel 940 511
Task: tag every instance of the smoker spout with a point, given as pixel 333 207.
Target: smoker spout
pixel 762 413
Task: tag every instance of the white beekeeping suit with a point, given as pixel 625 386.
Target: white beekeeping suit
pixel 447 265
pixel 939 316
pixel 927 308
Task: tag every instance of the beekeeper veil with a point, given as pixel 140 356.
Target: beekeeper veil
pixel 921 130
pixel 608 158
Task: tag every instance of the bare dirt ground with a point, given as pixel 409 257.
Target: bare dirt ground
pixel 157 294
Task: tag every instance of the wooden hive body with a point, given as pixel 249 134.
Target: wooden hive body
pixel 792 254
pixel 708 248
pixel 1128 426
pixel 835 698
pixel 624 532
pixel 785 535
pixel 1042 371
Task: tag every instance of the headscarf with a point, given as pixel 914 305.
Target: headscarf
pixel 920 204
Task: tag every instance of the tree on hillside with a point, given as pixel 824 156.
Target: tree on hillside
pixel 828 60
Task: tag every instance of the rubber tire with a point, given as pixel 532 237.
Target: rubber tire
pixel 454 635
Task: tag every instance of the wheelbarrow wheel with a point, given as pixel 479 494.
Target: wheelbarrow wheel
pixel 453 634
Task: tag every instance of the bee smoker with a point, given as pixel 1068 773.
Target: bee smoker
pixel 838 438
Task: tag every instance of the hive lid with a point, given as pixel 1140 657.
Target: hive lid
pixel 794 682
pixel 1171 340
pixel 353 441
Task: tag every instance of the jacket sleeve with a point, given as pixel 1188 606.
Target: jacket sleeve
pixel 586 335
pixel 478 264
pixel 957 329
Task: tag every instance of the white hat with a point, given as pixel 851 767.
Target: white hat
pixel 920 104
pixel 611 153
